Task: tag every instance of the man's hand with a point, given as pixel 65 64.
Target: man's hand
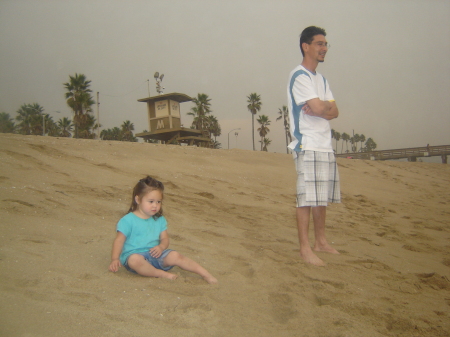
pixel 323 109
pixel 307 110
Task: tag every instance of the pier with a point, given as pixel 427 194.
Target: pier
pixel 409 153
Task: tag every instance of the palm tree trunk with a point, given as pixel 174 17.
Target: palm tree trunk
pixel 287 150
pixel 253 130
pixel 286 133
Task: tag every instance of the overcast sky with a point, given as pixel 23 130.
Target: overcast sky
pixel 388 65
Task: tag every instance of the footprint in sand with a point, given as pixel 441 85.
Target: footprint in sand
pixel 411 248
pixel 435 281
pixel 205 195
pixel 282 310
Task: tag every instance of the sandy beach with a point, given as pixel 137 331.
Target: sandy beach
pixel 233 211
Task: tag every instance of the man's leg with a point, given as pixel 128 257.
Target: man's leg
pixel 303 216
pixel 321 244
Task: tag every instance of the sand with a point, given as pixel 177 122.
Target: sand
pixel 233 211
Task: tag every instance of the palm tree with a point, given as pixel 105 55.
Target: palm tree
pixel 370 145
pixel 116 133
pixel 265 142
pixel 65 127
pixel 200 110
pixel 79 99
pixel 30 119
pixel 110 134
pixel 105 134
pixel 337 136
pixel 254 105
pixel 50 126
pixel 213 126
pixel 362 139
pixel 6 123
pixel 216 145
pixel 86 129
pixel 264 121
pixel 354 141
pixel 127 131
pixel 284 113
pixel 345 137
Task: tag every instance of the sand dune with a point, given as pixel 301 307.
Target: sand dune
pixel 232 211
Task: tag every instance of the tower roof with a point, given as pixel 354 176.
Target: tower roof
pixel 174 96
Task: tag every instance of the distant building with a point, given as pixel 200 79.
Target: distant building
pixel 164 121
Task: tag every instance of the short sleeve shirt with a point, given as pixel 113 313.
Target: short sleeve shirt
pixel 315 131
pixel 141 234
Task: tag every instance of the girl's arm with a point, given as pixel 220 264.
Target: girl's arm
pixel 116 250
pixel 163 245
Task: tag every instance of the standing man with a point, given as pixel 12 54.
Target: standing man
pixel 311 106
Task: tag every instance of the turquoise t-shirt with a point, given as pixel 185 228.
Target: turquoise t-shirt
pixel 141 234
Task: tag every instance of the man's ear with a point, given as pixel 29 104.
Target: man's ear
pixel 305 46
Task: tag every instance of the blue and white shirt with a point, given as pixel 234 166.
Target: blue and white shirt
pixel 309 132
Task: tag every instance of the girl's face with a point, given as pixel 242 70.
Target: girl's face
pixel 149 204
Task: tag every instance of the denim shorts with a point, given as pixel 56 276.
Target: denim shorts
pixel 158 263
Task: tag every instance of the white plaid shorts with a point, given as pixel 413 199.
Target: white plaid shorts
pixel 317 178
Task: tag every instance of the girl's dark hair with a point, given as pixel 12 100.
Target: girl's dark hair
pixel 143 187
pixel 308 35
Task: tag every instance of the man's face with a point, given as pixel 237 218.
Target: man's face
pixel 317 49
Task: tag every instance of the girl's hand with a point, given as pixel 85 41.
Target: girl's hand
pixel 156 251
pixel 115 265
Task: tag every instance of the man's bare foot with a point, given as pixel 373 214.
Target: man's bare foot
pixel 210 279
pixel 308 256
pixel 325 248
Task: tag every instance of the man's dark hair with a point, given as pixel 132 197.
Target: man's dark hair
pixel 308 35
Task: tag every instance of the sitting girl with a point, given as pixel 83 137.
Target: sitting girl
pixel 141 242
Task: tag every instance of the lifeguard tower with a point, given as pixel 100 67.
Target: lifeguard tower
pixel 164 120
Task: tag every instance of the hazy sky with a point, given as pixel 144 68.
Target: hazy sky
pixel 388 65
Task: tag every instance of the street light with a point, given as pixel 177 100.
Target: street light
pixel 229 136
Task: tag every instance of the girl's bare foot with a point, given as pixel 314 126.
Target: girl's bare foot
pixel 210 279
pixel 169 276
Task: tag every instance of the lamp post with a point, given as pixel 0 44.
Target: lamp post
pixel 229 136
